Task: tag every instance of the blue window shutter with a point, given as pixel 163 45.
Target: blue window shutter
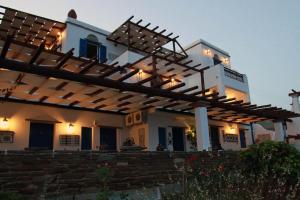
pixel 102 53
pixel 82 47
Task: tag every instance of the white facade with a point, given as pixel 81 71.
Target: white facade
pixel 220 78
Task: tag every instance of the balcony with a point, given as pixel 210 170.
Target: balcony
pixel 233 74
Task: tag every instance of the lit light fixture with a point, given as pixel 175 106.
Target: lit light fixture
pixel 231 126
pixel 172 80
pixel 140 71
pixel 70 128
pixel 207 52
pixel 225 61
pixel 59 33
pixel 4 123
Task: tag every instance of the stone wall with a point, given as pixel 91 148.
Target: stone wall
pixel 34 174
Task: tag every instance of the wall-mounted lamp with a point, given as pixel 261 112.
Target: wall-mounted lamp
pixel 225 61
pixel 70 128
pixel 4 123
pixel 231 126
pixel 207 52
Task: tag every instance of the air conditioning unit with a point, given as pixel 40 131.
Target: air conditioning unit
pixel 129 120
pixel 139 117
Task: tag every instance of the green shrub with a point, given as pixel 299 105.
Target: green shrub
pixel 10 196
pixel 103 174
pixel 270 170
pixel 272 158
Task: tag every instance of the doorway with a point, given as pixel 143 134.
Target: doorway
pixel 162 137
pixel 178 138
pixel 215 138
pixel 242 138
pixel 108 138
pixel 41 136
pixel 86 138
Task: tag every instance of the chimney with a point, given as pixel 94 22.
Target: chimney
pixel 295 101
pixel 72 14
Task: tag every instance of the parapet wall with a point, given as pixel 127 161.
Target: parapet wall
pixel 36 174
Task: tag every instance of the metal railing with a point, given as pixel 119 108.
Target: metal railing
pixel 233 74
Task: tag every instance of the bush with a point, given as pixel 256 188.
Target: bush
pixel 274 168
pixel 10 196
pixel 270 170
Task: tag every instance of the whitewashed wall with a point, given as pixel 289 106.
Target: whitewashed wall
pixel 18 113
pixel 76 29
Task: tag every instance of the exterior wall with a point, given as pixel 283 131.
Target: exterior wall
pixel 169 120
pixel 18 113
pixel 127 57
pixel 165 120
pixel 76 29
pixel 215 76
pixel 134 132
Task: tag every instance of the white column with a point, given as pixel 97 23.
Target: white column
pixel 202 131
pixel 279 131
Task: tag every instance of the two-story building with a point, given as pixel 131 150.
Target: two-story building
pixel 73 86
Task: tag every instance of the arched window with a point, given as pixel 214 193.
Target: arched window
pixel 90 47
pixel 92 38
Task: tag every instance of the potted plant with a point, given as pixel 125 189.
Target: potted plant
pixel 129 145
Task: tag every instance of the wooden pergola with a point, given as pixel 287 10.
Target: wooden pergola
pixel 33 71
pixel 30 28
pixel 143 39
pixel 31 74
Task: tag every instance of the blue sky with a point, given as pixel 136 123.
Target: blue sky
pixel 262 36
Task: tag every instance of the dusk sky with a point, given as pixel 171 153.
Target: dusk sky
pixel 262 37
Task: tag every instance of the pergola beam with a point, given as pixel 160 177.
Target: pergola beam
pixel 37 52
pixel 70 76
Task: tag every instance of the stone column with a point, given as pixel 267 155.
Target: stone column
pixel 202 132
pixel 279 131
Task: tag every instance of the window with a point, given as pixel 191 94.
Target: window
pixel 91 48
pixel 6 137
pixel 69 140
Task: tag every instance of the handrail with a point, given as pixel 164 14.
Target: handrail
pixel 233 74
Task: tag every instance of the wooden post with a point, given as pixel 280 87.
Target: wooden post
pixel 202 83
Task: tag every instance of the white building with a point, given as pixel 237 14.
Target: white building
pixel 73 86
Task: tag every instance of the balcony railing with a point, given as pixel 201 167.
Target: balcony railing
pixel 233 74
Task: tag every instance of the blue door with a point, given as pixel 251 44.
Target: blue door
pixel 178 138
pixel 86 138
pixel 242 138
pixel 41 136
pixel 162 137
pixel 108 138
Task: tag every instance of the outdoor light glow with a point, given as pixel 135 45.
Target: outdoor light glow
pixel 70 128
pixel 225 60
pixel 207 52
pixel 231 129
pixel 4 123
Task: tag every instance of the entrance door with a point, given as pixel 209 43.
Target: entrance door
pixel 178 138
pixel 162 137
pixel 41 136
pixel 108 138
pixel 242 138
pixel 86 138
pixel 214 138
